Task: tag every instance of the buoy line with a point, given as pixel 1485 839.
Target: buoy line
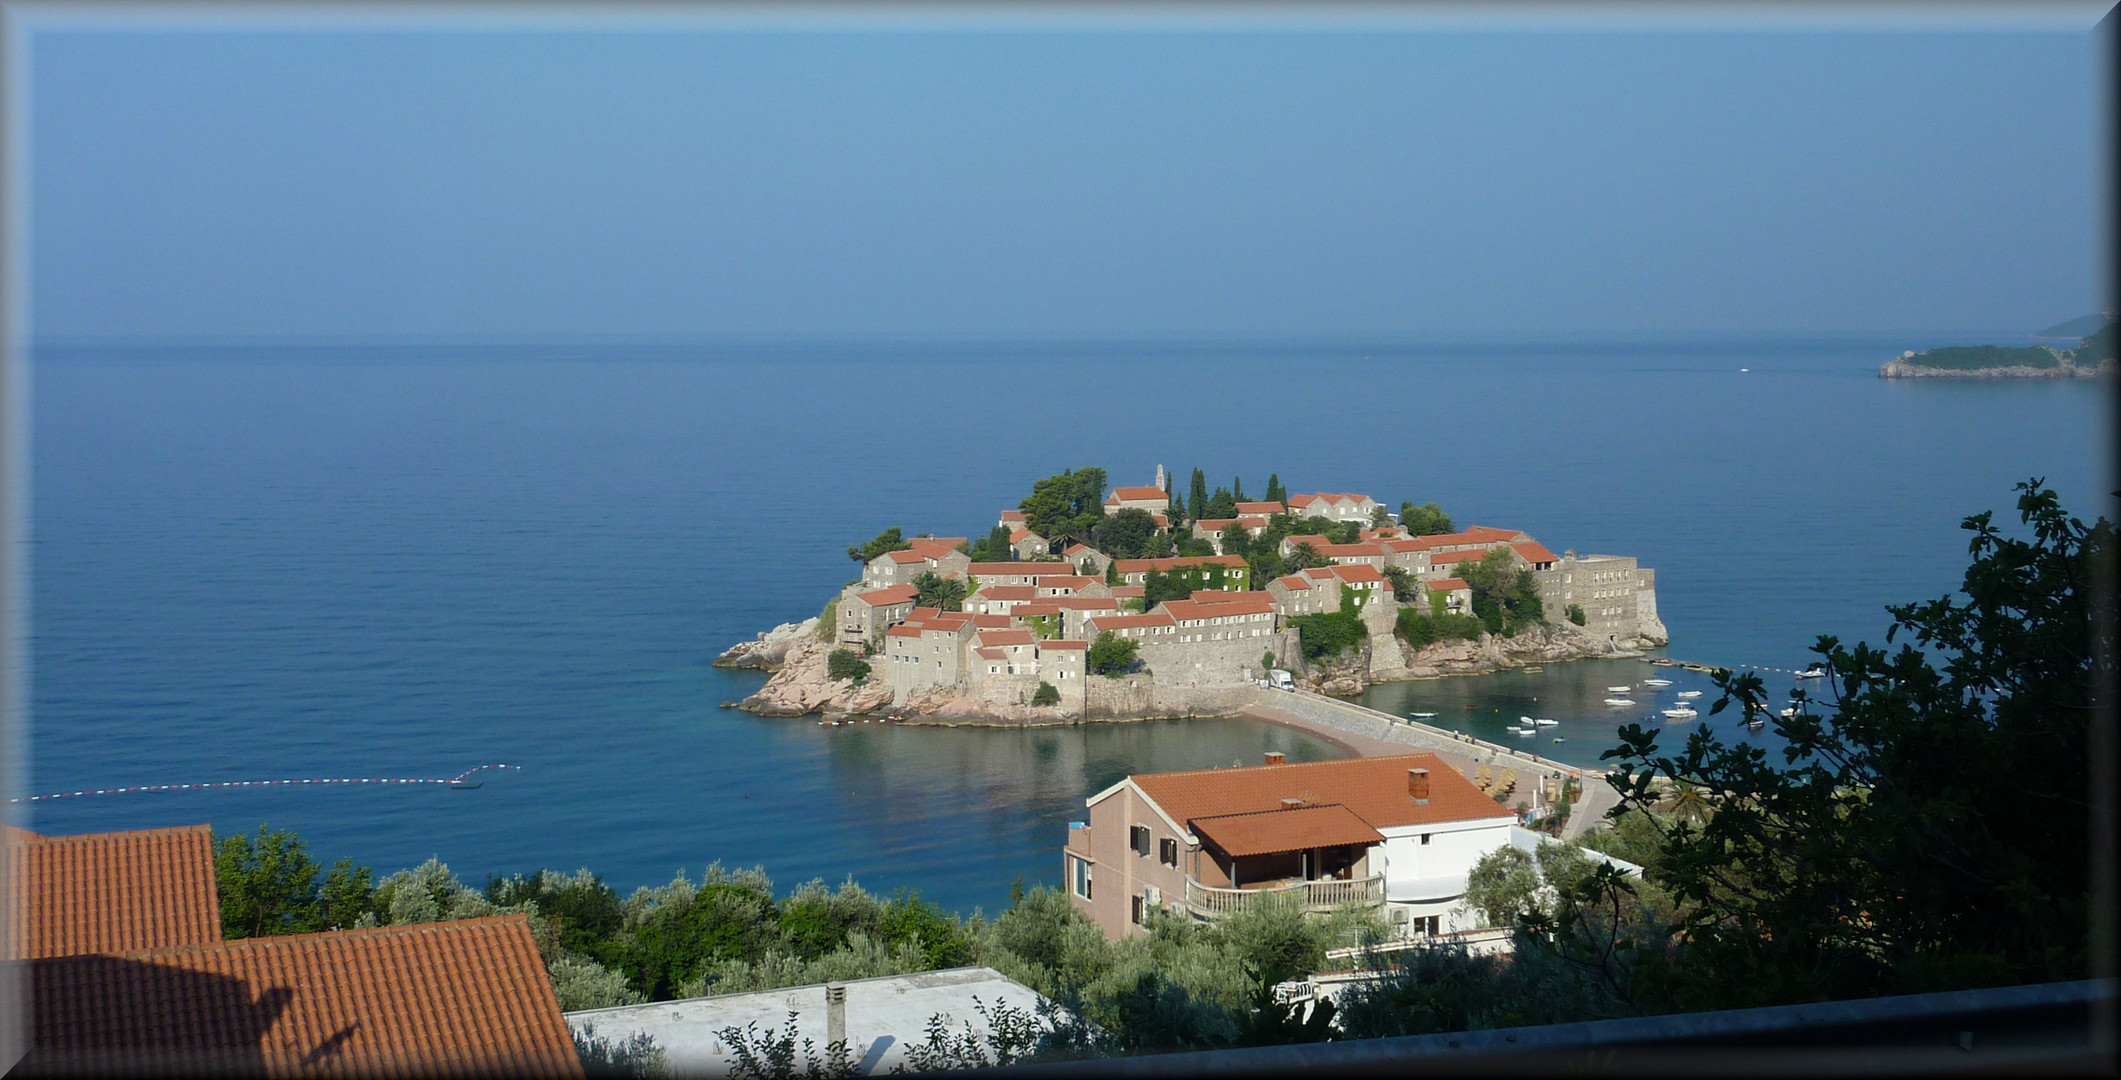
pixel 459 778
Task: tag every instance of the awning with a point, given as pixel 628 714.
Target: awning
pixel 1269 832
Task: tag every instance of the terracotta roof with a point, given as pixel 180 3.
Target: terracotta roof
pixel 998 638
pixel 1350 551
pixel 989 622
pixel 895 594
pixel 904 629
pixel 1131 566
pixel 1048 606
pixel 1416 543
pixel 937 546
pixel 1068 581
pixel 991 653
pixel 1446 558
pixel 1532 551
pixel 1128 591
pixel 1446 584
pixel 1008 592
pixel 114 892
pixel 1084 603
pixel 1023 534
pixel 1293 581
pixel 1215 524
pixel 1269 832
pixel 1329 496
pixel 1252 521
pixel 1020 569
pixel 1319 573
pixel 1356 572
pixel 1483 534
pixel 1191 609
pixel 1077 551
pixel 1012 515
pixel 468 997
pixel 1259 508
pixel 1162 522
pixel 922 613
pixel 907 556
pixel 1062 644
pixel 1214 596
pixel 1375 788
pixel 1136 494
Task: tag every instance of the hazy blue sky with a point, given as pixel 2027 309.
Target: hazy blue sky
pixel 1048 183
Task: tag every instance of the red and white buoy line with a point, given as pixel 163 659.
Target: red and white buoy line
pixel 253 784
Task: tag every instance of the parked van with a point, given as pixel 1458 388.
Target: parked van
pixel 1281 680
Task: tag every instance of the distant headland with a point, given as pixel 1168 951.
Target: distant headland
pixel 2094 355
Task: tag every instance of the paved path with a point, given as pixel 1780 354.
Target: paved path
pixel 1598 797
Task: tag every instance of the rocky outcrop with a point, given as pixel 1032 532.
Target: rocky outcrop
pixel 769 651
pixel 801 686
pixel 1388 659
pixel 2066 366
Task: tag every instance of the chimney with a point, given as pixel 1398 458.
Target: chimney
pixel 1418 785
pixel 1291 804
pixel 835 1013
pixel 1274 757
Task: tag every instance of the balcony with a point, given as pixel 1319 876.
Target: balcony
pixel 1210 902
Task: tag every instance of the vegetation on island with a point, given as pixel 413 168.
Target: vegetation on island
pixel 1505 597
pixel 885 543
pixel 1129 534
pixel 2091 351
pixel 1046 694
pixel 1428 519
pixel 942 593
pixel 1065 507
pixel 845 665
pixel 1112 654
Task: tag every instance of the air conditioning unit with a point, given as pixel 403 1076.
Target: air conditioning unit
pixel 1153 895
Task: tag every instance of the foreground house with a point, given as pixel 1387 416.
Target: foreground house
pixel 1395 833
pixel 127 973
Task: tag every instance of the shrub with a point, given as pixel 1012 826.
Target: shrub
pixel 1422 630
pixel 1575 614
pixel 1329 634
pixel 844 665
pixel 828 619
pixel 1046 694
pixel 1111 654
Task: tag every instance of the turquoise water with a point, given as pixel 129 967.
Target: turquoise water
pixel 264 563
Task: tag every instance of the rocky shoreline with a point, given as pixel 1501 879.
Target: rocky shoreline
pixel 799 685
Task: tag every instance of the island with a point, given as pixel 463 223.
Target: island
pixel 2094 355
pixel 1139 602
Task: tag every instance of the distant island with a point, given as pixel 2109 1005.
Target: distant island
pixel 2094 355
pixel 1079 604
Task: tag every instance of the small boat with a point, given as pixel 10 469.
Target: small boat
pixel 1520 731
pixel 1618 701
pixel 1683 712
pixel 1790 713
pixel 1423 715
pixel 1657 682
pixel 1813 672
pixel 1618 689
pixel 1561 738
pixel 1533 670
pixel 1689 695
pixel 1663 661
pixel 1546 722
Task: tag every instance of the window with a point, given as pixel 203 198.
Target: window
pixel 1136 910
pixel 1082 878
pixel 1138 839
pixel 1167 851
pixel 1425 838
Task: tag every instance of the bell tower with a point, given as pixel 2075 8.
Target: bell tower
pixel 1160 478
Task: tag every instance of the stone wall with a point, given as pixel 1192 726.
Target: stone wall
pixel 1358 720
pixel 1195 665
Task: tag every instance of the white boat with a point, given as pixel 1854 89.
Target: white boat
pixel 1559 738
pixel 1618 701
pixel 1618 689
pixel 1790 713
pixel 1690 694
pixel 1526 721
pixel 1813 672
pixel 1533 670
pixel 1423 715
pixel 1683 712
pixel 1545 722
pixel 1660 683
pixel 1521 731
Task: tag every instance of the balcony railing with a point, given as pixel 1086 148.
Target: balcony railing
pixel 1211 902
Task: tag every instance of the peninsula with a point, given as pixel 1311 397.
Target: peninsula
pixel 2094 355
pixel 1084 604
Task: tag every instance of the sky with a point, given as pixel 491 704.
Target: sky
pixel 1118 182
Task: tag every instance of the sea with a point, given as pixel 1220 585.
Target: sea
pixel 401 561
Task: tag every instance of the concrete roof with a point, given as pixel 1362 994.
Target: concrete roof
pixel 882 1016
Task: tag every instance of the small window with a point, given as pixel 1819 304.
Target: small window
pixel 1082 878
pixel 1136 909
pixel 1167 851
pixel 1138 839
pixel 1425 839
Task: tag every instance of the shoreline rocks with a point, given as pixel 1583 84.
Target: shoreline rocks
pixel 769 651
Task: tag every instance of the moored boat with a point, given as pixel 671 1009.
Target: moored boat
pixel 1689 694
pixel 1813 672
pixel 1618 702
pixel 1682 712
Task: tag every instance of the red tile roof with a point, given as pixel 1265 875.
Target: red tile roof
pixel 1022 569
pixel 1446 558
pixel 1136 494
pixel 1447 584
pixel 468 997
pixel 113 892
pixel 1069 581
pixel 1129 592
pixel 1190 609
pixel 1300 501
pixel 1213 596
pixel 991 653
pixel 1008 592
pixel 1024 534
pixel 1265 508
pixel 894 594
pixel 1129 622
pixel 1062 644
pixel 1532 551
pixel 1036 608
pixel 1269 832
pixel 989 622
pixel 999 638
pixel 1012 515
pixel 1354 573
pixel 1374 788
pixel 1293 581
pixel 906 557
pixel 904 629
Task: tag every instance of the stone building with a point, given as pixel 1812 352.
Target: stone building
pixel 864 616
pixel 1334 507
pixel 1618 597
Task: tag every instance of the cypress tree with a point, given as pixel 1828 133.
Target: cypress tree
pixel 1199 495
pixel 1275 492
pixel 1237 488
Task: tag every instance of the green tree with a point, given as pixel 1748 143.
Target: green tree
pixel 993 547
pixel 1046 694
pixel 1237 489
pixel 1275 492
pixel 1220 505
pixel 1236 540
pixel 1126 534
pixel 1428 519
pixel 1193 547
pixel 1505 597
pixel 1064 507
pixel 1265 563
pixel 1159 586
pixel 1111 654
pixel 1112 574
pixel 1404 586
pixel 1328 634
pixel 1303 556
pixel 946 594
pixel 1502 885
pixel 842 665
pixel 886 542
pixel 1344 532
pixel 268 885
pixel 1575 613
pixel 1928 828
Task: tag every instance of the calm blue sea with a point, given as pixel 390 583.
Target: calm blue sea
pixel 349 561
